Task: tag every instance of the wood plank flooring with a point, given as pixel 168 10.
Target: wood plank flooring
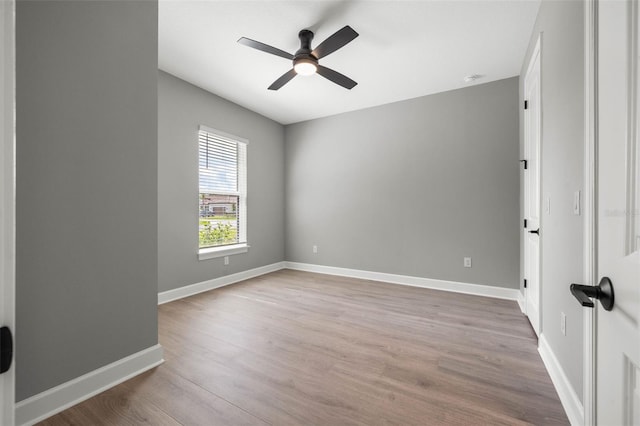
pixel 296 348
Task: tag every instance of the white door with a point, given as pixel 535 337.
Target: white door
pixel 7 183
pixel 618 214
pixel 532 123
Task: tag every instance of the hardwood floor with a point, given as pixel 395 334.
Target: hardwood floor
pixel 296 348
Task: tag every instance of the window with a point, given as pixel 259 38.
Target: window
pixel 222 221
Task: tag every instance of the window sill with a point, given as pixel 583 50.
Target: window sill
pixel 213 252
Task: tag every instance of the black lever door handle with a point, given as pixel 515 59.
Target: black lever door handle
pixel 6 351
pixel 535 231
pixel 583 293
pixel 603 292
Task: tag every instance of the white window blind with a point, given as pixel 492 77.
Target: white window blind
pixel 222 187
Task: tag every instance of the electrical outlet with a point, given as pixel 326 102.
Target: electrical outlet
pixel 226 260
pixel 315 249
pixel 563 323
pixel 467 262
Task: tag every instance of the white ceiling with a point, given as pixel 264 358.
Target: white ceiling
pixel 406 49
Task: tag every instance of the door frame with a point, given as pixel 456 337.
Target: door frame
pixel 590 273
pixel 7 196
pixel 535 54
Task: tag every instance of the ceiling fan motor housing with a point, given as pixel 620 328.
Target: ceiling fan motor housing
pixel 304 53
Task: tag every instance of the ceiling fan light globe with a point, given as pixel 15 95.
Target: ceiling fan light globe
pixel 305 68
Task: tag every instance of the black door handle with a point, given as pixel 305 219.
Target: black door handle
pixel 6 353
pixel 535 231
pixel 603 292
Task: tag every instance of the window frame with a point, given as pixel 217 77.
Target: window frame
pixel 242 246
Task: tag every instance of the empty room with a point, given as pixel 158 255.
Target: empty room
pixel 320 212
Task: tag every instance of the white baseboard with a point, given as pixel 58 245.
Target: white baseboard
pixel 453 286
pixel 52 401
pixel 568 397
pixel 190 290
pixel 521 304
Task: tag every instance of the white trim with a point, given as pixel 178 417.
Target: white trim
pixel 59 398
pixel 534 54
pixel 214 252
pixel 7 196
pixel 521 303
pixel 452 286
pixel 223 135
pixel 207 134
pixel 589 224
pixel 190 290
pixel 534 313
pixel 632 128
pixel 568 396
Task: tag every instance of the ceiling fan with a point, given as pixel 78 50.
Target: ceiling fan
pixel 305 60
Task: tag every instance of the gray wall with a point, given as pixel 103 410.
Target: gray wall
pixel 86 273
pixel 182 107
pixel 562 67
pixel 411 187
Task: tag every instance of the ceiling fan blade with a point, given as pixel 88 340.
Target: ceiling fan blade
pixel 265 47
pixel 284 79
pixel 336 77
pixel 334 42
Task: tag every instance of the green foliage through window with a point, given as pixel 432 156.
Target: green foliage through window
pixel 214 233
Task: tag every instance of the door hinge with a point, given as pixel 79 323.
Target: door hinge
pixel 525 163
pixel 6 349
pixel 525 283
pixel 525 224
pixel 526 104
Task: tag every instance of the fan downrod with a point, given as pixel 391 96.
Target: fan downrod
pixel 304 53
